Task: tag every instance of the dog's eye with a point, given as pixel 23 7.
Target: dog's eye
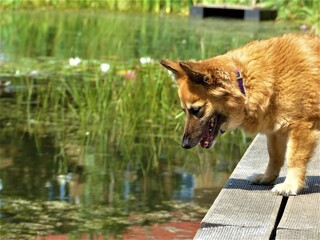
pixel 194 110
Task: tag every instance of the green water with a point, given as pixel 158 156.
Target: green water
pixel 94 147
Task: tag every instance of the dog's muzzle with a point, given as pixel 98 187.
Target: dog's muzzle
pixel 186 143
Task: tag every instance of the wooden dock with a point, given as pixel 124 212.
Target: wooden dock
pixel 238 12
pixel 244 211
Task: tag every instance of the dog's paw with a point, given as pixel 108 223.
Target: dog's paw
pixel 260 179
pixel 286 189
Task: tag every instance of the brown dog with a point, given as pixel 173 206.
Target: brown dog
pixel 270 86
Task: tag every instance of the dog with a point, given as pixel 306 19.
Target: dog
pixel 267 86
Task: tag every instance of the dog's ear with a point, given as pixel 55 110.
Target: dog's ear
pixel 196 76
pixel 172 66
pixel 190 69
pixel 212 77
pixel 193 75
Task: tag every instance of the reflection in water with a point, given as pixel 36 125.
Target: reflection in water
pixel 25 166
pixel 30 170
pixel 49 186
pixel 186 189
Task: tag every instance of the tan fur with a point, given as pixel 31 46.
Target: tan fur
pixel 281 77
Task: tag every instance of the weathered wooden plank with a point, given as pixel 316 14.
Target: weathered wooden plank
pixel 301 217
pixel 243 211
pixel 230 233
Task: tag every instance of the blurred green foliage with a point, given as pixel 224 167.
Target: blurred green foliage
pixel 303 11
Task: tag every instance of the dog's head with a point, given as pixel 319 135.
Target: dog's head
pixel 210 97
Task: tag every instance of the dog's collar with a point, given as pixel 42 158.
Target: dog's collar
pixel 240 81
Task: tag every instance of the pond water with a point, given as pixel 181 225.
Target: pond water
pixel 91 125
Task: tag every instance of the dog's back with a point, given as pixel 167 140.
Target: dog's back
pixel 283 75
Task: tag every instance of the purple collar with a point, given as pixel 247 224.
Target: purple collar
pixel 240 82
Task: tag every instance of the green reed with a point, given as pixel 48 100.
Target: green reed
pixel 139 118
pixel 123 5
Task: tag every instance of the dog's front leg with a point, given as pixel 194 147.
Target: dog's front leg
pixel 301 144
pixel 276 149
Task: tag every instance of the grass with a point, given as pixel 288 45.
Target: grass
pixel 136 117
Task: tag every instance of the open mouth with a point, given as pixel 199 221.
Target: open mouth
pixel 211 130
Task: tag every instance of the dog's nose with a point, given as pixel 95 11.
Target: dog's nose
pixel 185 143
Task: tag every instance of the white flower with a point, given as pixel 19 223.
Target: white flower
pixel 105 67
pixel 17 72
pixel 74 61
pixel 34 73
pixel 145 60
pixel 304 27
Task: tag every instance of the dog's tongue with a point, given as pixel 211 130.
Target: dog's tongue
pixel 206 140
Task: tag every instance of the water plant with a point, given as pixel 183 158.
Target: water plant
pixel 38 219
